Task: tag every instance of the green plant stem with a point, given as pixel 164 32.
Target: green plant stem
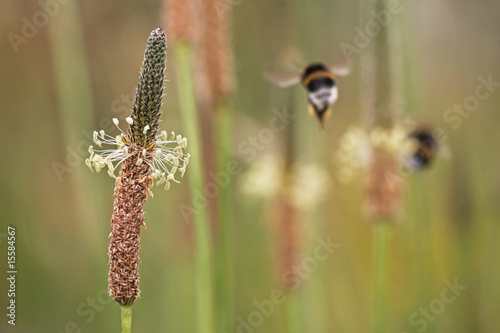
pixel 293 313
pixel 423 233
pixel 75 104
pixel 203 274
pixel 380 254
pixel 224 260
pixel 126 318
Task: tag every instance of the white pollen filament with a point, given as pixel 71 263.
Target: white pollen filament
pixel 166 158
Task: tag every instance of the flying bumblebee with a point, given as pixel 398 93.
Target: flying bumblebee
pixel 422 149
pixel 319 80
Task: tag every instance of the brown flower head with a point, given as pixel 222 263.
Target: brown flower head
pixel 384 186
pixel 145 155
pixel 214 56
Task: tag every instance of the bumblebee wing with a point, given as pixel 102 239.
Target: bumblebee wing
pixel 282 79
pixel 341 68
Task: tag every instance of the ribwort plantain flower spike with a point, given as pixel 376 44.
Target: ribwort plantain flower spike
pixel 144 155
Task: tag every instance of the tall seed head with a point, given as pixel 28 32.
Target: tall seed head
pixel 134 180
pixel 145 155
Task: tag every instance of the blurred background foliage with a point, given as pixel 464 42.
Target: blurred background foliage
pixel 81 69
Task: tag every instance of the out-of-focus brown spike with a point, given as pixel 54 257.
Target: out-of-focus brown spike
pixel 180 20
pixel 287 239
pixel 384 186
pixel 214 57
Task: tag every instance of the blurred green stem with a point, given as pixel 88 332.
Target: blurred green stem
pixel 126 318
pixel 424 239
pixel 203 274
pixel 380 253
pixel 224 259
pixel 75 104
pixel 293 313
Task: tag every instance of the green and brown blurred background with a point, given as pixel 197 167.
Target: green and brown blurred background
pixel 80 69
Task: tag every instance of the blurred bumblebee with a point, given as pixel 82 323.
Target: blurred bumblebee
pixel 319 80
pixel 421 149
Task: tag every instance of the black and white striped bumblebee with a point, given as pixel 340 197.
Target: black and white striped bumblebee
pixel 421 150
pixel 319 80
